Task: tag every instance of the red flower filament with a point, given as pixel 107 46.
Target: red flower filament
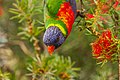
pixel 116 4
pixel 104 8
pixel 89 16
pixel 104 47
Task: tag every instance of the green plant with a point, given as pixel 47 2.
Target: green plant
pixel 5 75
pixel 52 68
pixel 96 16
pixel 42 67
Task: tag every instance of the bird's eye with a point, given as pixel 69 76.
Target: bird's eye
pixel 57 39
pixel 48 40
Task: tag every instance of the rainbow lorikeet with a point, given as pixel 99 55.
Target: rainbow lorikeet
pixel 60 16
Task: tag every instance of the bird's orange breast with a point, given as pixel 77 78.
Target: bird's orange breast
pixel 66 15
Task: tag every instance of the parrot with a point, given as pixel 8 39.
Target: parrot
pixel 59 18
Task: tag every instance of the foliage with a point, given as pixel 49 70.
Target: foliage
pixel 27 12
pixel 95 17
pixel 52 68
pixel 101 16
pixel 103 74
pixel 44 67
pixel 5 75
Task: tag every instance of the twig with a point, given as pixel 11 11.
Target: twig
pixel 81 12
pixel 81 4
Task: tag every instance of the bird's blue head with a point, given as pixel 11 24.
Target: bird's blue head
pixel 53 38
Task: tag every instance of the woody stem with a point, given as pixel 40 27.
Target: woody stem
pixel 119 63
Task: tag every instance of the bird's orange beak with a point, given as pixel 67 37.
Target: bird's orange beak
pixel 51 49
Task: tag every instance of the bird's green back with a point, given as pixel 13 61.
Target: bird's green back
pixel 53 6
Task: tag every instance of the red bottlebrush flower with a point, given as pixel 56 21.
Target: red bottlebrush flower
pixel 116 4
pixel 104 47
pixel 97 49
pixel 106 34
pixel 1 11
pixel 89 16
pixel 105 8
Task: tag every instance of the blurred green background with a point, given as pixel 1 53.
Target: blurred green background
pixel 77 46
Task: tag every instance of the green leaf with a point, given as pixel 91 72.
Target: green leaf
pixel 100 23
